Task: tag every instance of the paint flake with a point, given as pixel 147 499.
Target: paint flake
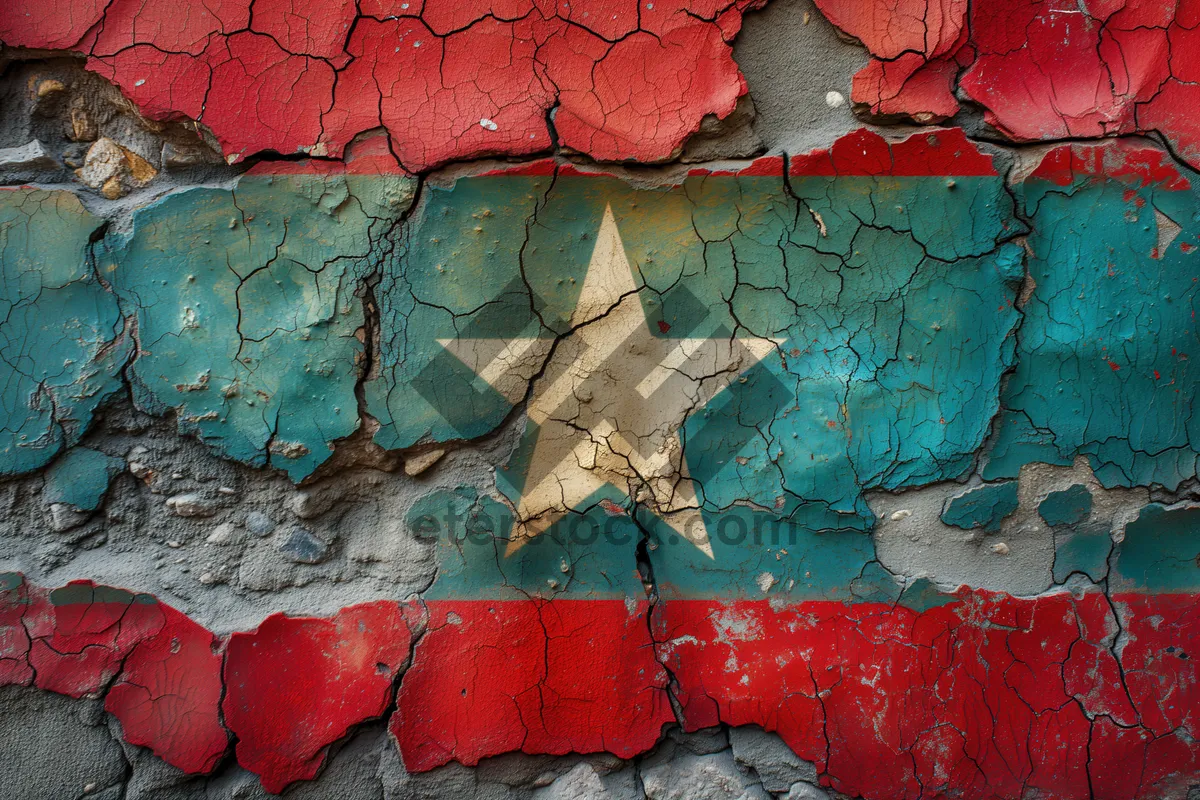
pixel 626 84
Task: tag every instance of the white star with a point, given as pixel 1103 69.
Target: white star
pixel 611 400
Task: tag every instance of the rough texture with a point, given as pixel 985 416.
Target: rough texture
pixel 449 81
pixel 705 446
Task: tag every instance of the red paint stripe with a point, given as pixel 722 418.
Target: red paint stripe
pixel 944 152
pixel 988 695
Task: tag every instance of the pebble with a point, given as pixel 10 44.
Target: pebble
pixel 190 505
pixel 259 523
pixel 300 546
pixel 225 533
pixel 64 518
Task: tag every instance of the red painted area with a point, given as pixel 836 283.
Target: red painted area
pixel 14 639
pixel 80 634
pixel 538 676
pixel 1041 69
pixel 1120 159
pixel 985 696
pixel 943 152
pixel 915 45
pixel 990 696
pixel 298 684
pixel 1057 69
pixel 449 80
pixel 169 693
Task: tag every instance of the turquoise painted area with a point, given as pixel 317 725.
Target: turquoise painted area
pixel 895 322
pixel 1160 552
pixel 593 555
pixel 1015 443
pixel 758 555
pixel 61 343
pixel 80 478
pixel 249 309
pixel 922 595
pixel 983 507
pixel 1082 549
pixel 1104 365
pixel 589 555
pixel 1068 507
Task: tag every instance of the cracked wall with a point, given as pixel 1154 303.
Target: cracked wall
pixel 598 400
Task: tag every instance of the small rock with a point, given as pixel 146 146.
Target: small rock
pixel 113 169
pixel 302 547
pixel 64 518
pixel 901 514
pixel 50 86
pixel 1000 549
pixel 175 154
pixel 190 505
pixel 835 99
pixel 311 503
pixel 225 533
pixel 226 490
pixel 83 128
pixel 420 462
pixel 208 578
pixel 174 544
pixel 31 156
pixel 259 524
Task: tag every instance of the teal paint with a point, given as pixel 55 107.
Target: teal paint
pixel 61 342
pixel 895 324
pixel 1068 507
pixel 1160 552
pixel 249 309
pixel 758 555
pixel 80 478
pixel 983 507
pixel 1103 368
pixel 922 595
pixel 1015 442
pixel 1084 549
pixel 591 555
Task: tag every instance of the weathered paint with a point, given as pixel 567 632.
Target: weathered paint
pixel 916 48
pixel 80 478
pixel 449 80
pixel 249 303
pixel 1041 71
pixel 61 332
pixel 296 685
pixel 875 286
pixel 1103 365
pixel 868 266
pixel 168 694
pixel 546 649
pixel 1068 507
pixel 982 507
